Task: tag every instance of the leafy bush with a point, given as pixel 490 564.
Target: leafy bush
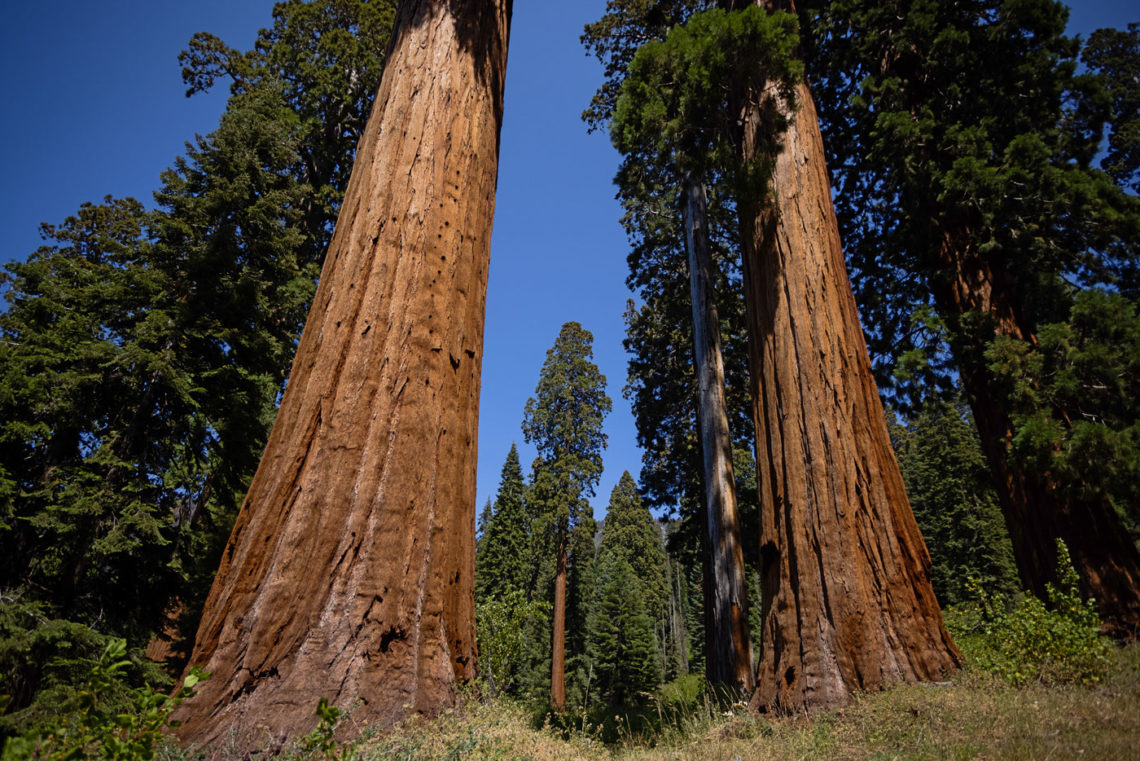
pixel 502 625
pixel 682 696
pixel 320 743
pixel 1027 641
pixel 97 729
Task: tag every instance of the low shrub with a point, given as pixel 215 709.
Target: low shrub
pixel 1024 640
pixel 99 728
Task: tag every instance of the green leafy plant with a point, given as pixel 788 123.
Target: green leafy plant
pixel 98 729
pixel 321 742
pixel 1029 642
pixel 503 623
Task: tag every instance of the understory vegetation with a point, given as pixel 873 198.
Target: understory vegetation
pixel 977 715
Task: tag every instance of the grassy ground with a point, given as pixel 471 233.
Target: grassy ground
pixel 975 717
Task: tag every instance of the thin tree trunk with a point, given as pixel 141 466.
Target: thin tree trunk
pixel 729 659
pixel 558 635
pixel 349 573
pixel 847 600
pixel 1038 509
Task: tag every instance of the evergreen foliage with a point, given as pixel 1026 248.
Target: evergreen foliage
pixel 954 503
pixel 624 654
pixel 927 152
pixel 1074 398
pixel 629 534
pixel 143 351
pixel 564 422
pixel 1114 54
pixel 670 67
pixel 503 561
pixel 674 113
pixel 630 550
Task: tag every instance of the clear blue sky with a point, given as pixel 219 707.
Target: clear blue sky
pixel 94 105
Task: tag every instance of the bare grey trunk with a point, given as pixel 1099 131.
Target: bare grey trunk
pixel 729 662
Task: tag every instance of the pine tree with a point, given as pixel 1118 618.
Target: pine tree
pixel 630 547
pixel 626 660
pixel 630 534
pixel 502 563
pixel 564 422
pixel 954 503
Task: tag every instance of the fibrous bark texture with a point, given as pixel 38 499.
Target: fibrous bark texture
pixel 847 599
pixel 1038 509
pixel 729 659
pixel 349 573
pixel 558 635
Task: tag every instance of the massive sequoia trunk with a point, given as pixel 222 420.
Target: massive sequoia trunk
pixel 728 661
pixel 1038 508
pixel 349 573
pixel 847 599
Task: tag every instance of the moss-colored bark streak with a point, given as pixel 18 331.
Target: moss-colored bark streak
pixel 847 601
pixel 349 574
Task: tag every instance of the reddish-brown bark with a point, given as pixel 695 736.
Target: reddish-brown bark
pixel 847 600
pixel 728 660
pixel 1038 509
pixel 558 635
pixel 349 573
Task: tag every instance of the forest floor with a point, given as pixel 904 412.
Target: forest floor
pixel 973 717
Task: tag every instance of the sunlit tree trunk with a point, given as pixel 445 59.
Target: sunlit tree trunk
pixel 729 659
pixel 847 599
pixel 349 573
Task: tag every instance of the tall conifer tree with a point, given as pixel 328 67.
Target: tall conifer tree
pixel 143 351
pixel 350 570
pixel 503 560
pixel 564 422
pixel 631 569
pixel 973 225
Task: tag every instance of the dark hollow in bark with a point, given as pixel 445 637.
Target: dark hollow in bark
pixel 349 573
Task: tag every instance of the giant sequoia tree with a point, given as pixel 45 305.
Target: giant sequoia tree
pixel 143 351
pixel 671 122
pixel 349 572
pixel 564 422
pixel 846 577
pixel 974 217
pixel 846 591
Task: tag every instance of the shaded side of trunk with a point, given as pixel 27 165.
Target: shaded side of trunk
pixel 1038 509
pixel 558 635
pixel 729 658
pixel 349 572
pixel 847 599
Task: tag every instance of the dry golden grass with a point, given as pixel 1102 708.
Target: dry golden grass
pixel 976 717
